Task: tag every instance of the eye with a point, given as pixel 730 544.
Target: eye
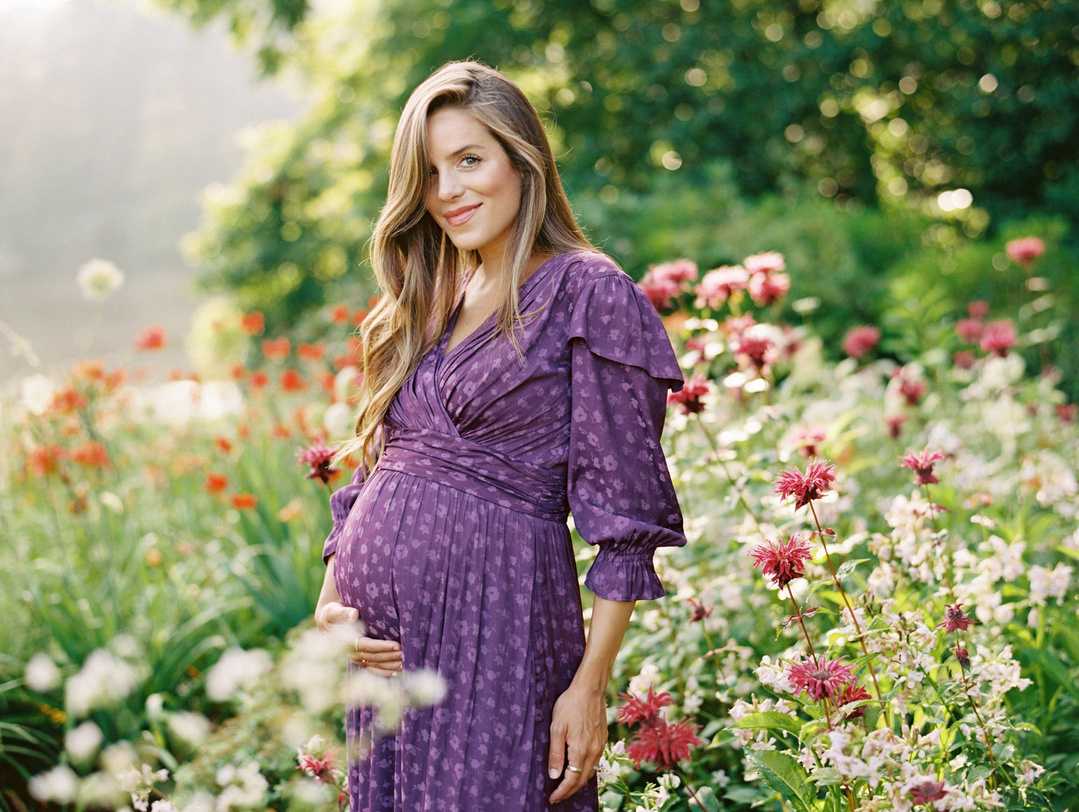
pixel 431 171
pixel 470 160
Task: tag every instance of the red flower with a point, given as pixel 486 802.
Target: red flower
pixel 766 263
pixel 319 458
pixel 895 424
pixel 215 483
pixel 852 693
pixel 689 397
pixel 339 314
pixel 700 611
pixel 642 709
pixel 766 288
pixel 718 285
pixel 860 341
pixel 820 679
pixel 962 656
pixel 311 352
pixel 253 323
pixel 956 619
pixel 152 338
pixel 911 388
pixel 663 744
pixel 1066 412
pixel 259 379
pixel 224 444
pixel 818 479
pixel 927 791
pixel 244 501
pixel 1024 250
pixel 969 330
pixel 91 455
pixel 922 466
pixel 45 460
pixel 292 381
pixel 276 349
pixel 67 400
pixel 782 562
pixel 998 337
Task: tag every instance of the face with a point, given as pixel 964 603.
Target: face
pixel 474 191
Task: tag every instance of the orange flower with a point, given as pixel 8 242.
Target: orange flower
pixel 281 431
pixel 292 382
pixel 358 317
pixel 224 444
pixel 326 381
pixel 91 454
pixel 67 400
pixel 259 379
pixel 276 349
pixel 152 338
pixel 244 501
pixel 238 372
pixel 311 352
pixel 339 314
pixel 215 483
pixel 45 460
pixel 89 369
pixel 253 323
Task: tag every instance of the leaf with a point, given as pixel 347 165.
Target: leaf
pixel 847 568
pixel 826 776
pixel 770 720
pixel 784 775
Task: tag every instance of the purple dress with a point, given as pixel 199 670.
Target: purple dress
pixel 456 545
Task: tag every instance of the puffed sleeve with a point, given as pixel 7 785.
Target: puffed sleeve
pixel 341 503
pixel 619 488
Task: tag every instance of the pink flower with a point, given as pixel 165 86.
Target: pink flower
pixel 783 562
pixel 806 440
pixel 718 285
pixel 969 330
pixel 681 270
pixel 964 359
pixel 755 348
pixel 642 709
pixel 978 309
pixel 955 619
pixel 1024 250
pixel 765 263
pixel 319 458
pixel 766 288
pixel 689 397
pixel 860 341
pixel 852 692
pixel 821 678
pixel 895 425
pixel 663 744
pixel 736 326
pixel 818 479
pixel 911 388
pixel 998 337
pixel 660 292
pixel 922 466
pixel 319 768
pixel 927 791
pixel 152 338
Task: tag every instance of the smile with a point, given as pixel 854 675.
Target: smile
pixel 458 217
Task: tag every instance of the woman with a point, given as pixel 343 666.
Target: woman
pixel 511 372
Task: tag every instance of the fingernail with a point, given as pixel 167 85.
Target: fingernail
pixel 552 772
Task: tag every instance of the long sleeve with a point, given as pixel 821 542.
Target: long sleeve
pixel 620 491
pixel 341 503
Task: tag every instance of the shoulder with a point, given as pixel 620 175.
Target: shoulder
pixel 581 273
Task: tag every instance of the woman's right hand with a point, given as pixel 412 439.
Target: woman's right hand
pixel 382 657
pixel 342 623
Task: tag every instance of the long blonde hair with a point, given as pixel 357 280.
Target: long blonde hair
pixel 418 269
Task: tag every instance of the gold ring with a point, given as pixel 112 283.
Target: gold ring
pixel 577 770
pixel 356 645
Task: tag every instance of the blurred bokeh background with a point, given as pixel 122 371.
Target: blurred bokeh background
pixel 889 150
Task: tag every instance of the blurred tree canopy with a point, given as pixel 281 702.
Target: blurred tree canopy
pixel 866 102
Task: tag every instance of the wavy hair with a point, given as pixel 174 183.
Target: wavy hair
pixel 418 269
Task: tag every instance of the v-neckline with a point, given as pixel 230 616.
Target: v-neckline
pixel 484 326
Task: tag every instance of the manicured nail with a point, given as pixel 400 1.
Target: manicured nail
pixel 552 772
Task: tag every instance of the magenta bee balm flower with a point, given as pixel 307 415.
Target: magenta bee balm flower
pixel 922 466
pixel 818 479
pixel 782 562
pixel 821 678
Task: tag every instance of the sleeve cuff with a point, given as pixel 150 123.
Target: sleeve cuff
pixel 620 577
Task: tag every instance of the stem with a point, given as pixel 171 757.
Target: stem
pixel 723 467
pixel 798 614
pixel 853 616
pixel 981 723
pixel 689 787
pixel 947 553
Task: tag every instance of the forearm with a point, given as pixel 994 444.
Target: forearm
pixel 329 591
pixel 610 619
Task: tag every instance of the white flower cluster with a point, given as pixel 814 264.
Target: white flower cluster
pixel 103 681
pixel 236 673
pixel 242 787
pixel 98 279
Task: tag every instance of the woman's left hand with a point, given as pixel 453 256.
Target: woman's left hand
pixel 579 725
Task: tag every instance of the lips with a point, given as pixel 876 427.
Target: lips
pixel 460 216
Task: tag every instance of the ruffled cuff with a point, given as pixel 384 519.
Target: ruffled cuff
pixel 341 503
pixel 617 322
pixel 621 577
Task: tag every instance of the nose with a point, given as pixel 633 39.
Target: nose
pixel 449 187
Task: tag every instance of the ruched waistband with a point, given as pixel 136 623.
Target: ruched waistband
pixel 477 470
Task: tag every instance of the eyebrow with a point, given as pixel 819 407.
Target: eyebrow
pixel 466 148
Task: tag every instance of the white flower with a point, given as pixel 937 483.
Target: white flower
pixel 103 681
pixel 41 673
pixel 237 671
pixel 36 393
pixel 640 684
pixel 189 727
pixel 99 278
pixel 244 788
pixel 338 420
pixel 425 688
pixel 83 742
pixel 60 784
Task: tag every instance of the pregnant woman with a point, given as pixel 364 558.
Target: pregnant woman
pixel 512 375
